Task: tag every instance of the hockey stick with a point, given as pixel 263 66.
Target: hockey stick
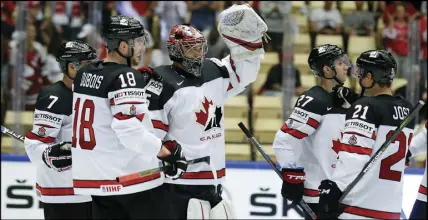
pixel 12 133
pixel 302 203
pixel 382 149
pixel 137 175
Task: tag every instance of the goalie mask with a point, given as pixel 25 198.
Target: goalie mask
pixel 187 46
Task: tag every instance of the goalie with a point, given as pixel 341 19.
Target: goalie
pixel 186 103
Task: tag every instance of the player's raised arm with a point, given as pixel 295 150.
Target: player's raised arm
pixel 242 30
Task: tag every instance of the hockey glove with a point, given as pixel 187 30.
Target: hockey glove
pixel 329 206
pixel 408 156
pixel 58 157
pixel 148 74
pixel 343 96
pixel 292 186
pixel 175 163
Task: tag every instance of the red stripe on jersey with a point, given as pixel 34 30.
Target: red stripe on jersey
pixel 359 134
pixel 99 183
pixel 55 191
pixel 45 125
pixel 371 213
pixel 310 192
pixel 295 133
pixel 131 103
pixel 355 149
pixel 230 87
pixel 313 123
pixel 160 125
pixel 204 174
pixel 32 136
pixel 248 45
pixel 121 116
pixel 112 101
pixel 374 135
pixel 232 64
pixel 422 189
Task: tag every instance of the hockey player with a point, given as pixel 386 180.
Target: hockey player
pixel 418 145
pixel 113 134
pixel 369 122
pixel 188 106
pixel 48 143
pixel 307 141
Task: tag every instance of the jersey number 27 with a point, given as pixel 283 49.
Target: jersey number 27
pixel 86 121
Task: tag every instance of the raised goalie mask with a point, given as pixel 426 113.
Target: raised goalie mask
pixel 242 29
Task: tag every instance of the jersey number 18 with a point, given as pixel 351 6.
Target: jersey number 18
pixel 88 105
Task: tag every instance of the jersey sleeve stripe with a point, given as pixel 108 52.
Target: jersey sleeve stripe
pixel 130 103
pixel 313 123
pixel 112 101
pixel 355 149
pixel 310 192
pixel 232 64
pixel 45 125
pixel 160 125
pixel 55 191
pixel 355 210
pixel 121 116
pixel 230 87
pixel 422 189
pixel 295 133
pixel 99 183
pixel 30 135
pixel 204 174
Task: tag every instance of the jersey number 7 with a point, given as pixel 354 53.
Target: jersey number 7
pixel 88 105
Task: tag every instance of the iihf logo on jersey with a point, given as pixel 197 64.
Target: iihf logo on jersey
pixel 209 115
pixel 132 110
pixel 41 132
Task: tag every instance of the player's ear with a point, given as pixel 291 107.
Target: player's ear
pixel 328 73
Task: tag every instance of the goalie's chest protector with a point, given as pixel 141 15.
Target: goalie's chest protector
pixel 191 112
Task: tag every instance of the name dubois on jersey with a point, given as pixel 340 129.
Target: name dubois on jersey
pixel 90 80
pixel 361 127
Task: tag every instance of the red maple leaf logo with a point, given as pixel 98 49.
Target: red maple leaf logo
pixel 202 115
pixel 336 144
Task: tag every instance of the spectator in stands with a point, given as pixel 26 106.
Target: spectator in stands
pixel 273 12
pixel 272 85
pixel 170 14
pixel 390 11
pixel 395 38
pixel 326 20
pixel 34 75
pixel 357 23
pixel 423 39
pixel 203 14
pixel 7 28
pixel 52 70
pixel 217 48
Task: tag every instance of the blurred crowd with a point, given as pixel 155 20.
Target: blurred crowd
pixel 49 23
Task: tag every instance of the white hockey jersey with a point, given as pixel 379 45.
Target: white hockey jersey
pixel 190 110
pixel 418 145
pixel 52 125
pixel 369 122
pixel 309 139
pixel 112 132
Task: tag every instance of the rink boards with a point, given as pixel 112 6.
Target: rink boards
pixel 252 187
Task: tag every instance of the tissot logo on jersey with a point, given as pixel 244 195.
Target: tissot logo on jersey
pixel 360 127
pixel 209 115
pixel 300 115
pixel 48 119
pixel 155 87
pixel 128 96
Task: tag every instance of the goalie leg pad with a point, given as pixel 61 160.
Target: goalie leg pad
pixel 223 210
pixel 198 209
